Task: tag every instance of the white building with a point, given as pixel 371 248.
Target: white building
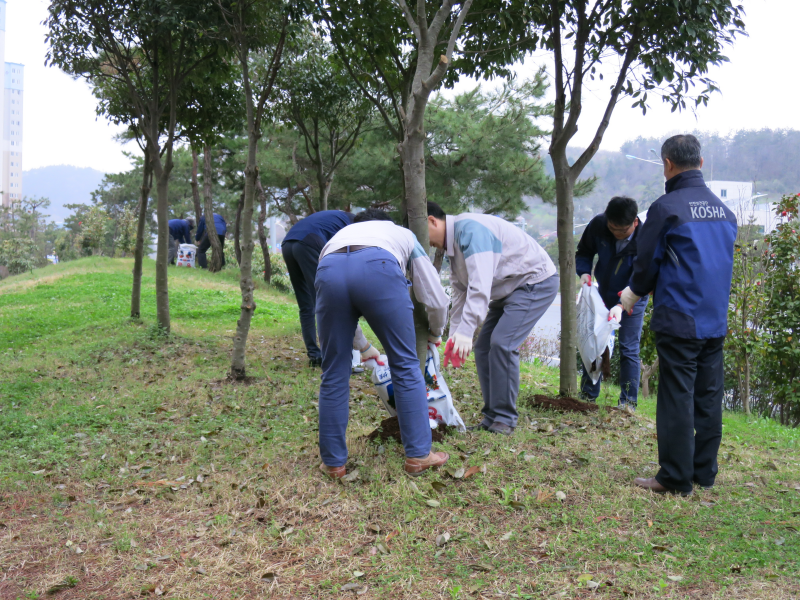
pixel 11 120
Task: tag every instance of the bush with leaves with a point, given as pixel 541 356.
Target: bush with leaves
pixel 781 321
pixel 280 274
pixel 18 254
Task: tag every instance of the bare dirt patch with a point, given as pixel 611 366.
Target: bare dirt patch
pixel 564 405
pixel 389 429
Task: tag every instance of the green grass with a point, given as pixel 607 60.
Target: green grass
pixel 129 465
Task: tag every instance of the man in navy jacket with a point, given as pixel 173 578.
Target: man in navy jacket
pixel 202 237
pixel 685 257
pixel 612 237
pixel 179 233
pixel 301 248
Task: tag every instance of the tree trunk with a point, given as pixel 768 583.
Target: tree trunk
pixel 565 185
pixel 237 230
pixel 438 259
pixel 215 264
pixel 141 228
pixel 162 260
pixel 246 281
pixel 413 153
pixel 262 234
pixel 647 372
pixel 746 390
pixel 198 209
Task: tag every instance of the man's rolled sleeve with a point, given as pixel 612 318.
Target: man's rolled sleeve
pixel 429 291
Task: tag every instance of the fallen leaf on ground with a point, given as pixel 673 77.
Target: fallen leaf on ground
pixel 442 539
pixel 471 471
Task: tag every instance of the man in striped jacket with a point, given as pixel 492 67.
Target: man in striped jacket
pixel 503 279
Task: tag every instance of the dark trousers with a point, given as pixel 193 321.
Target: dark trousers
pixel 508 324
pixel 629 337
pixel 689 410
pixel 367 283
pixel 205 244
pixel 301 262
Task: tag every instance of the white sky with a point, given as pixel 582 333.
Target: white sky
pixel 759 89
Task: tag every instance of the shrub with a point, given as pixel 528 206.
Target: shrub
pixel 18 255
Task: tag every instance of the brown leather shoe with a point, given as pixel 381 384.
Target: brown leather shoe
pixel 332 472
pixel 652 484
pixel 415 466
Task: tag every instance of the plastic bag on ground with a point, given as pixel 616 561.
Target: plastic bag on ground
pixel 595 331
pixel 186 255
pixel 440 400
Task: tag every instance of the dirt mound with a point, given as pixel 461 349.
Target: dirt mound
pixel 389 429
pixel 564 405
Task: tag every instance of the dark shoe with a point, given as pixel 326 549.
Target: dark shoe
pixel 498 427
pixel 653 485
pixel 332 472
pixel 415 466
pixel 315 362
pixel 482 426
pixel 588 399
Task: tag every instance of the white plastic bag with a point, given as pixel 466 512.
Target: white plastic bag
pixel 440 401
pixel 595 331
pixel 186 255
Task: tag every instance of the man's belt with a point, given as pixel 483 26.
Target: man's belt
pixel 350 249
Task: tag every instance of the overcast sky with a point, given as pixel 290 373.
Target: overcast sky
pixel 760 88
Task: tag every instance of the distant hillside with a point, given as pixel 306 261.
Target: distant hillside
pixel 63 184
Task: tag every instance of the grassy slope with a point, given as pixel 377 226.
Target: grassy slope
pixel 94 411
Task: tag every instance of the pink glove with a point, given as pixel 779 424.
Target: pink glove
pixel 452 357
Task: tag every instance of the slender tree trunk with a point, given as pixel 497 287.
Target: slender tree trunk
pixel 438 259
pixel 237 230
pixel 565 186
pixel 198 209
pixel 162 252
pixel 746 390
pixel 248 305
pixel 262 234
pixel 141 228
pixel 647 372
pixel 215 264
pixel 324 188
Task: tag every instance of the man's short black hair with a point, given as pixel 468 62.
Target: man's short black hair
pixel 683 151
pixel 434 210
pixel 372 214
pixel 622 211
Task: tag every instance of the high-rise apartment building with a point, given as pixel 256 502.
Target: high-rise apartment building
pixel 11 119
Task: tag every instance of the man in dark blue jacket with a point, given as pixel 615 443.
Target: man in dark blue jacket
pixel 612 237
pixel 301 248
pixel 685 257
pixel 202 237
pixel 179 233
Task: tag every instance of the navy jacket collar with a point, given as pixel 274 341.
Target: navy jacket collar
pixel 692 178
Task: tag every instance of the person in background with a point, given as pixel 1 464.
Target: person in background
pixel 502 278
pixel 202 237
pixel 301 248
pixel 685 256
pixel 612 237
pixel 363 271
pixel 180 232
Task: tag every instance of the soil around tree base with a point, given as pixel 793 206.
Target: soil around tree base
pixel 564 405
pixel 389 429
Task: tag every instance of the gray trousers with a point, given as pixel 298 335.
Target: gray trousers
pixel 172 252
pixel 508 324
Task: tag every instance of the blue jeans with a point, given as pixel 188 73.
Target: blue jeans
pixel 367 283
pixel 628 336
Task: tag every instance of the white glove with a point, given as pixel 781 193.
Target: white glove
pixel 627 298
pixel 462 345
pixel 586 279
pixel 434 339
pixel 370 352
pixel 615 314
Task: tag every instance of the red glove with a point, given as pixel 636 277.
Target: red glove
pixel 452 357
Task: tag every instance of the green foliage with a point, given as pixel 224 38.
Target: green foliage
pixel 18 254
pixel 781 321
pixel 280 275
